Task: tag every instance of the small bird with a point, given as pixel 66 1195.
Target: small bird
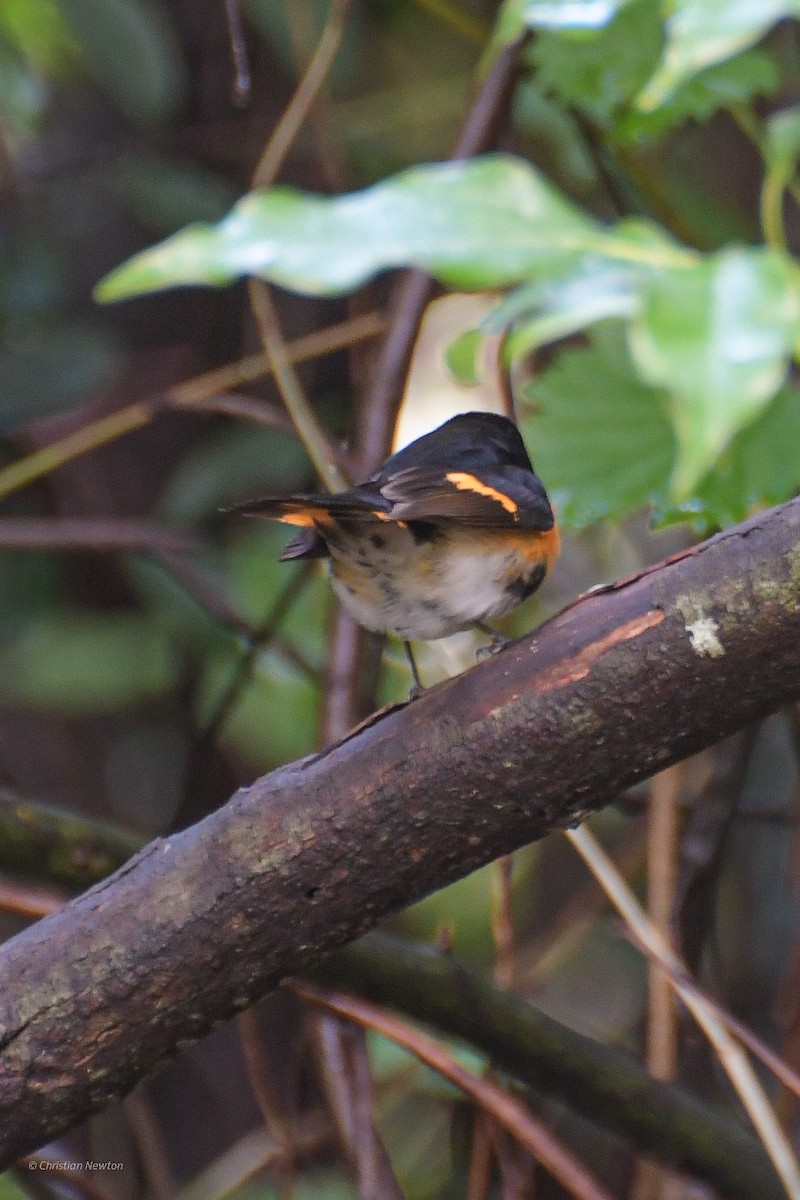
pixel 452 531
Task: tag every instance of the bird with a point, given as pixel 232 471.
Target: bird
pixel 453 531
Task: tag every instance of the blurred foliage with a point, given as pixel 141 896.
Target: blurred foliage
pixel 639 222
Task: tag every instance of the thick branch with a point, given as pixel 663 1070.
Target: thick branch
pixel 201 924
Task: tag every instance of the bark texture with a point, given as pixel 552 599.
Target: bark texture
pixel 199 925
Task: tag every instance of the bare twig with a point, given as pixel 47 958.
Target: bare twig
pixel 267 169
pixel 479 1180
pixel 26 900
pixel 505 965
pixel 730 1054
pixel 91 533
pixel 147 1134
pixel 193 392
pixel 260 1080
pixel 345 1074
pixel 299 106
pixel 510 1112
pixel 379 413
pixel 241 65
pixel 297 405
pixel 665 791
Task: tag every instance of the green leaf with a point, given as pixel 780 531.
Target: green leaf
pixel 10 1188
pixel 484 223
pixel 585 15
pixel 782 143
pixel 87 663
pixel 718 336
pixel 735 81
pixel 599 438
pixel 703 32
pixel 553 308
pixel 759 468
pixel 462 357
pixel 35 27
pixel 23 97
pixel 600 73
pixel 132 49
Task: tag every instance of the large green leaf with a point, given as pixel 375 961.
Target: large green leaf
pixel 718 336
pixel 484 223
pixel 703 32
pixel 599 438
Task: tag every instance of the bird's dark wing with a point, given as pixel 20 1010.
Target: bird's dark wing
pixel 506 498
pixel 312 508
pixel 316 513
pixel 308 543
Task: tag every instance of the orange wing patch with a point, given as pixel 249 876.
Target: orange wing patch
pixel 308 518
pixel 469 483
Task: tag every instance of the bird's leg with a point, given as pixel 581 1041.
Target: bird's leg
pixel 498 641
pixel 417 689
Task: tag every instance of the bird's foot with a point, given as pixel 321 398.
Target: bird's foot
pixel 498 642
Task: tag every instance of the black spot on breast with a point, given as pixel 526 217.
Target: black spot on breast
pixel 423 532
pixel 378 540
pixel 526 585
pixel 388 589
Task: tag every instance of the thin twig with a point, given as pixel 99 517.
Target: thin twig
pixel 297 405
pixel 510 1112
pixel 27 900
pixel 479 1178
pixel 503 922
pixel 455 18
pixel 652 1180
pixel 148 1136
pixel 665 791
pixel 343 1060
pixel 91 533
pixel 374 434
pixel 779 1067
pixel 296 111
pixel 729 1052
pixel 260 1080
pixel 229 697
pixel 346 643
pixel 241 65
pixel 252 1154
pixel 310 431
pixel 191 393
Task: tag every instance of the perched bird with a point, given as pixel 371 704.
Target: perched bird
pixel 452 531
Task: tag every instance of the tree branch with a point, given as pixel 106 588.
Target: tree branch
pixel 196 926
pixel 604 1083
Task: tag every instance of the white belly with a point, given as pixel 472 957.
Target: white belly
pixel 427 591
